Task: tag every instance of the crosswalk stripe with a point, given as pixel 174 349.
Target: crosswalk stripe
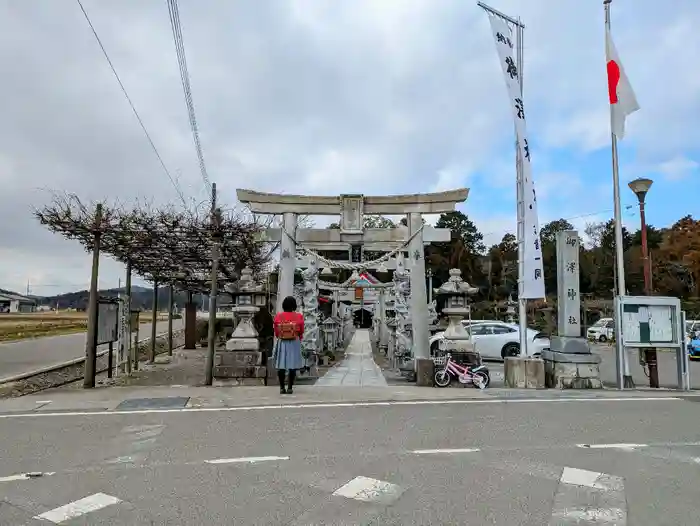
pixel 78 508
pixel 588 498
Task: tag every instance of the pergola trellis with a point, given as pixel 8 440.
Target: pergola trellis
pixel 167 246
pixel 164 245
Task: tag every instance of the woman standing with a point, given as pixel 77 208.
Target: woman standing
pixel 289 329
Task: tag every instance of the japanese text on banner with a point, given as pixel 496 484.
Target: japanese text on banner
pixel 533 274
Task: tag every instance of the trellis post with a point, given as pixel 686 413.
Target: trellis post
pixel 154 322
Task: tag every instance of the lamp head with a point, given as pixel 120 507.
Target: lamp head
pixel 640 187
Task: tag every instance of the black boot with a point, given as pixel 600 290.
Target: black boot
pixel 290 385
pixel 280 377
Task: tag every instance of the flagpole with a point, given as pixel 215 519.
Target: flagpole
pixel 624 380
pixel 522 302
pixel 520 194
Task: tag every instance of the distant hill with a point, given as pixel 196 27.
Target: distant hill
pixel 141 298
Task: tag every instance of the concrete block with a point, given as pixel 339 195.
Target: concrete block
pixel 425 371
pixel 524 373
pixel 572 371
pixel 239 358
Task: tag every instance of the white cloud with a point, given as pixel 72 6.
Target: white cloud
pixel 321 96
pixel 678 168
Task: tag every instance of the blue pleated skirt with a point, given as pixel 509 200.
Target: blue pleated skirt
pixel 287 354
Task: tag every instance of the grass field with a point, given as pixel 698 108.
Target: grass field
pixel 21 326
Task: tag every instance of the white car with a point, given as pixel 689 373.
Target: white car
pixel 601 331
pixel 497 339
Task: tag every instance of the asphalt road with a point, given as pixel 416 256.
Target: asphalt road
pixel 29 355
pixel 479 464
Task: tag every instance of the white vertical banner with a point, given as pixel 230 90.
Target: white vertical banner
pixel 533 273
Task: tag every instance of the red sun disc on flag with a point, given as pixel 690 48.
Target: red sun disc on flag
pixel 613 80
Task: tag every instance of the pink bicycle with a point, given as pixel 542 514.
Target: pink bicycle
pixel 477 376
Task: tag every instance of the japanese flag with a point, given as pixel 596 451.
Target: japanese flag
pixel 622 99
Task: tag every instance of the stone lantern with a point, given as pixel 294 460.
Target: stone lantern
pixel 510 309
pixel 242 357
pixel 330 332
pixel 457 340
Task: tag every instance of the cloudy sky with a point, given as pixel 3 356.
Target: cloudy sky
pixel 329 97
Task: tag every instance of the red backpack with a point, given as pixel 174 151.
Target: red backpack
pixel 287 330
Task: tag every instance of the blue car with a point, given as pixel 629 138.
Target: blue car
pixel 694 350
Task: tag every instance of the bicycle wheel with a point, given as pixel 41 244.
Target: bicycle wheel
pixel 442 378
pixel 480 380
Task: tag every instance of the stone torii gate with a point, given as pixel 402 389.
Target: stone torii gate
pixel 352 208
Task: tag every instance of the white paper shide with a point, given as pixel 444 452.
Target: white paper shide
pixel 533 274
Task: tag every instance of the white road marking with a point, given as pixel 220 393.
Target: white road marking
pixel 613 446
pixel 369 490
pixel 331 405
pixel 590 516
pixel 77 508
pixel 251 460
pixel 588 498
pixel 26 476
pixel 446 451
pixel 581 477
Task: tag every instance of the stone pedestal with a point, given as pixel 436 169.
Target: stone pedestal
pixel 425 372
pixel 524 373
pixel 571 365
pixel 240 359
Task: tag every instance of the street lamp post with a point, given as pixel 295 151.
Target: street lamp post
pixel 640 187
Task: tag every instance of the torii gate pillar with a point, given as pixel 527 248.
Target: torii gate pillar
pixel 419 296
pixel 288 251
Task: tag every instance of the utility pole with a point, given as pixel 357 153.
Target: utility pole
pixel 130 349
pixel 215 220
pixel 91 345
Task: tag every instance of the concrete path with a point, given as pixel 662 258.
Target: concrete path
pixel 358 368
pixel 30 355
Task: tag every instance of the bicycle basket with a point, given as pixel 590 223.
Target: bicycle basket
pixel 440 360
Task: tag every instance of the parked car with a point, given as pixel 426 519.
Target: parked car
pixel 601 331
pixel 497 339
pixel 694 349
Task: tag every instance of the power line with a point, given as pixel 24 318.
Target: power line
pixel 175 25
pixel 626 208
pixel 133 107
